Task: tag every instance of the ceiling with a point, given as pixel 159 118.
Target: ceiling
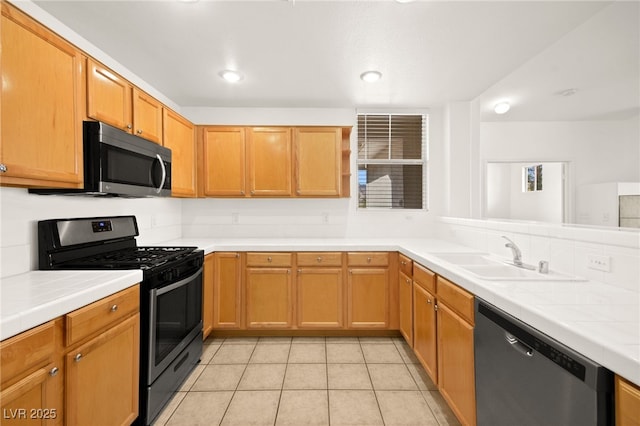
pixel 306 53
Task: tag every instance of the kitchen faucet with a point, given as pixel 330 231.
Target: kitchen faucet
pixel 517 255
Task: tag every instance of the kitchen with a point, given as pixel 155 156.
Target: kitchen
pixel 458 123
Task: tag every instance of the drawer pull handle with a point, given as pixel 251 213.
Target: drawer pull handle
pixel 269 259
pixel 3 168
pixel 319 259
pixel 408 282
pixel 129 126
pixel 237 255
pixel 53 372
pixel 139 131
pixel 428 301
pixel 368 260
pixel 114 308
pixel 77 358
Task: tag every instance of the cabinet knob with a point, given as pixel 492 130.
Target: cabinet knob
pixel 368 260
pixel 241 192
pixel 428 301
pixel 408 281
pixel 3 168
pixel 403 263
pixel 53 372
pixel 77 358
pixel 139 131
pixel 237 255
pixel 288 271
pixel 319 259
pixel 269 259
pixel 114 308
pixel 253 192
pixel 129 126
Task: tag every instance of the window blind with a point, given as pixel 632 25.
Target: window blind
pixel 392 161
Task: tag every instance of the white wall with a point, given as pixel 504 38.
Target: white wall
pixel 598 151
pixel 282 218
pixel 541 206
pixel 159 219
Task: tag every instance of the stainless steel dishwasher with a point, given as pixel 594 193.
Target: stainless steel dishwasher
pixel 523 377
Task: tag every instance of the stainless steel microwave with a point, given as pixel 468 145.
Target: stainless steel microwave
pixel 117 163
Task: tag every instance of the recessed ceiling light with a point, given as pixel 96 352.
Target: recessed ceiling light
pixel 501 107
pixel 371 76
pixel 231 76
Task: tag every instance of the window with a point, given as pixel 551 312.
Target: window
pixel 532 178
pixel 392 161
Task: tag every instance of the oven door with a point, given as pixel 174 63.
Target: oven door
pixel 175 319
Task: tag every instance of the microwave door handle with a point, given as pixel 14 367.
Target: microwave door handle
pixel 164 174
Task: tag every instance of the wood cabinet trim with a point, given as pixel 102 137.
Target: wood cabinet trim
pixel 456 298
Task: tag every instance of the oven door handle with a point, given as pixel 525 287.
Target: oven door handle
pixel 163 290
pixel 164 174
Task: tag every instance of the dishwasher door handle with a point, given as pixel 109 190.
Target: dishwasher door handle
pixel 518 345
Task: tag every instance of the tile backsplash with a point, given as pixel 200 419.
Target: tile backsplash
pixel 566 248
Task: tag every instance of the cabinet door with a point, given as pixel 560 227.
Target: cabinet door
pixel 223 153
pixel 227 296
pixel 31 401
pixel 456 375
pixel 627 403
pixel 424 337
pixel 405 294
pixel 368 298
pixel 269 161
pixel 179 137
pixel 319 293
pixel 147 116
pixel 41 131
pixel 207 295
pixel 317 161
pixel 108 97
pixel 102 377
pixel 269 298
pixel 32 382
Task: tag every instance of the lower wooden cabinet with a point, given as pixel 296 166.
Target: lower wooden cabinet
pixel 227 291
pixel 405 296
pixel 32 378
pixel 368 298
pixel 627 396
pixel 319 294
pixel 269 298
pixel 207 295
pixel 102 377
pixel 94 380
pixel 424 340
pixel 456 365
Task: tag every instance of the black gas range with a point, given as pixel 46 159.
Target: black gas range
pixel 170 295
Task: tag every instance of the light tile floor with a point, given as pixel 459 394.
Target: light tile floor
pixel 307 381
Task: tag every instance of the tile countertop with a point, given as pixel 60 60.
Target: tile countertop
pixel 600 321
pixel 31 299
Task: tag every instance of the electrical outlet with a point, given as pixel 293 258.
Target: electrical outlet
pixel 601 263
pixel 235 218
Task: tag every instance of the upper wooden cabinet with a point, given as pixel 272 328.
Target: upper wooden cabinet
pixel 41 132
pixel 223 161
pixel 179 137
pixel 147 116
pixel 108 97
pixel 318 161
pixel 269 161
pixel 274 161
pixel 115 101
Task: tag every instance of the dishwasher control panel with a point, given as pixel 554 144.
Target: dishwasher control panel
pixel 560 358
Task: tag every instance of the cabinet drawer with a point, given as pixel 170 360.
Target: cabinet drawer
pixel 94 317
pixel 456 298
pixel 269 259
pixel 424 278
pixel 27 351
pixel 327 258
pixel 365 258
pixel 405 265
